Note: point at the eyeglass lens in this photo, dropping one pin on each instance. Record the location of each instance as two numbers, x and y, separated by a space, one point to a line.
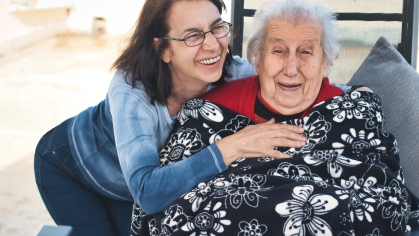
196 38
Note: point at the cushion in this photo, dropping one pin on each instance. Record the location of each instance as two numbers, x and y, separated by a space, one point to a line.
388 74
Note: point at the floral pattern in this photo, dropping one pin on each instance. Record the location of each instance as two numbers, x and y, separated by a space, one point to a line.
296 172
252 228
174 219
152 225
210 221
304 212
199 194
235 124
346 180
334 159
359 204
393 198
360 140
315 130
137 214
241 189
349 106
184 143
207 110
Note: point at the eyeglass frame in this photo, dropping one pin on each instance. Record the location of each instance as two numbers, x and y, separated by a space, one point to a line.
202 33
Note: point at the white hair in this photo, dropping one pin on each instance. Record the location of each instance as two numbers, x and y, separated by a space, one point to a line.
296 12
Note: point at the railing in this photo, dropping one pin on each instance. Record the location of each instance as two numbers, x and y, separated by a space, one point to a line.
409 31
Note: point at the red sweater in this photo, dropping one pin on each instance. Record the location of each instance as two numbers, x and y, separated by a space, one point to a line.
240 95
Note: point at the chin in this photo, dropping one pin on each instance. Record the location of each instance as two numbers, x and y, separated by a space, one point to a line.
214 78
291 108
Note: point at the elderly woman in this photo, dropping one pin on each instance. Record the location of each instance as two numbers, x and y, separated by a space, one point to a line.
346 180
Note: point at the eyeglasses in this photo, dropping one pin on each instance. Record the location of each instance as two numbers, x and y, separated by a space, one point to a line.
196 38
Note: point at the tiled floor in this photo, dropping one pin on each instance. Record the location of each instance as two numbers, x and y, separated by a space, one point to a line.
40 87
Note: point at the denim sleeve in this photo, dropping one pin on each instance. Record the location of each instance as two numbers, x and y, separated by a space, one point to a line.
240 68
344 87
139 127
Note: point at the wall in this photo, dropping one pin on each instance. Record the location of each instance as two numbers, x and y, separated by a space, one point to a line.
120 15
26 22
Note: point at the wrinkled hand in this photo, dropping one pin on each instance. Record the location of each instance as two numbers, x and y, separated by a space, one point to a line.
366 89
260 140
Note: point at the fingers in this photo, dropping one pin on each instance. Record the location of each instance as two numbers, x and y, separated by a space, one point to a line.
274 131
283 134
271 121
271 135
286 142
278 155
366 89
260 141
283 128
265 152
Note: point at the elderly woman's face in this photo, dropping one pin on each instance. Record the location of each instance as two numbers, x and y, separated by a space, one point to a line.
291 66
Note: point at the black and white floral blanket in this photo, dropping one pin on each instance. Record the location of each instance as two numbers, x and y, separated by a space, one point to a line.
346 181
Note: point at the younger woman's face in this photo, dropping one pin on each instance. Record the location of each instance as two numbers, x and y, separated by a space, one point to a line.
198 65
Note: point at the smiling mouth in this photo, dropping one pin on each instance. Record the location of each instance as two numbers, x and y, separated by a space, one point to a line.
290 85
210 61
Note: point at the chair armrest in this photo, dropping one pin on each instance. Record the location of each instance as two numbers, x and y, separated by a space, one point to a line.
60 230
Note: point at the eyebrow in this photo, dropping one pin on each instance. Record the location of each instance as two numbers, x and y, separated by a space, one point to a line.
275 40
197 30
279 40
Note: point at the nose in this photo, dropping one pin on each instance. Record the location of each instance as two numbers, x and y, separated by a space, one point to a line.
210 42
291 65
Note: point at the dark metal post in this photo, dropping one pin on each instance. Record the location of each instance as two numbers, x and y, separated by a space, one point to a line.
415 39
237 7
407 30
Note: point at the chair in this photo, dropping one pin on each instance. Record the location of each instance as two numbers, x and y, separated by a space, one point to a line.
56 230
361 24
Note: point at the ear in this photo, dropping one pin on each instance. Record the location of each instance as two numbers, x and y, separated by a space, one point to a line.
166 53
326 71
257 66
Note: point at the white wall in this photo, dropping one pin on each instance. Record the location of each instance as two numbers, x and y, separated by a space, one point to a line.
120 15
26 24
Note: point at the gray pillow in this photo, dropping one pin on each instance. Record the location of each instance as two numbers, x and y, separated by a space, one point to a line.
388 74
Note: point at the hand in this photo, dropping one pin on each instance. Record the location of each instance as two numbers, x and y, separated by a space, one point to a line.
260 141
366 89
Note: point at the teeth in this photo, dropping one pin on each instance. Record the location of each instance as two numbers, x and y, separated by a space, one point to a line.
209 61
290 86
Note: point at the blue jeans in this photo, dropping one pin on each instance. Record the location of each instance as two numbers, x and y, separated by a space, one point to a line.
69 198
